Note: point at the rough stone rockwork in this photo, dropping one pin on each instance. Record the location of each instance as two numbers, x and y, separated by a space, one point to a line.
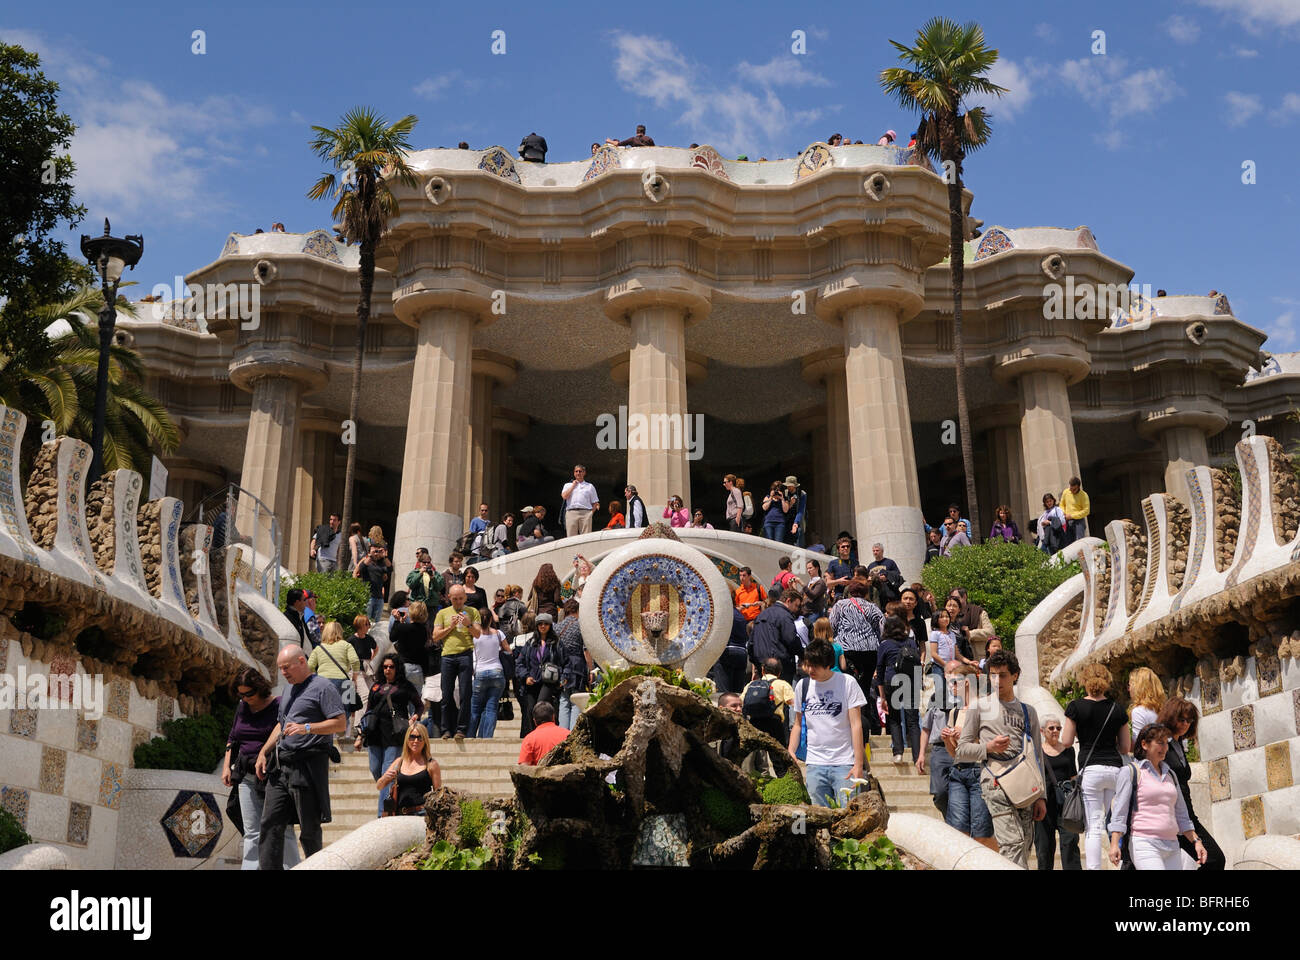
149 525
259 639
1227 519
1103 589
99 521
1179 531
41 498
1059 637
186 539
1136 542
1286 493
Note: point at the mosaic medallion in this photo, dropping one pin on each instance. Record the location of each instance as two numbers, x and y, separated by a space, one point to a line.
813 160
655 609
499 163
1243 728
192 824
993 242
321 244
706 158
1220 780
604 160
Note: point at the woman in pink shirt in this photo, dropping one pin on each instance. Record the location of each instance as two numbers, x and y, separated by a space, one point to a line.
676 513
1153 812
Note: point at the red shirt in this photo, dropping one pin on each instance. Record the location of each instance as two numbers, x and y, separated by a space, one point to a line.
615 522
539 743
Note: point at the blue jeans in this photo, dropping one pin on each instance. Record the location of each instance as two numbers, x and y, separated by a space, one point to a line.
569 713
381 758
457 667
488 688
967 811
374 608
827 781
774 530
250 808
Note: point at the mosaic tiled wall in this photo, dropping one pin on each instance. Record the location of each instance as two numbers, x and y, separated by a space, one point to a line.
61 774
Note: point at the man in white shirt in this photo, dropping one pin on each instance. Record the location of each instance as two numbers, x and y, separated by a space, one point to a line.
829 703
580 499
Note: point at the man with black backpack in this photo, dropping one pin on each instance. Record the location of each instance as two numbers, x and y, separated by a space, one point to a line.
775 637
766 699
898 678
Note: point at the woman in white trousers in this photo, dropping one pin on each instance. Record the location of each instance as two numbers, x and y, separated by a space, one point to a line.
1155 813
1101 727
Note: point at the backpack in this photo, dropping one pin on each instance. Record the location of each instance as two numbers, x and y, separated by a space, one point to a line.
510 625
748 510
906 660
760 701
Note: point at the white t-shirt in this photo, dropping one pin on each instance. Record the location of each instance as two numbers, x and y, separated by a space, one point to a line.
1139 718
487 652
830 738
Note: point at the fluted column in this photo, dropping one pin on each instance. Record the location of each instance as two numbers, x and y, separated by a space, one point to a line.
1046 433
313 489
831 455
433 465
482 464
1181 430
271 453
507 426
1004 472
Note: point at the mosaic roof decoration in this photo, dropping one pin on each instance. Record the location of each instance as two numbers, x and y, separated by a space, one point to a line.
706 158
1086 240
1141 310
321 244
813 160
604 160
499 163
192 824
913 157
1221 306
232 245
993 242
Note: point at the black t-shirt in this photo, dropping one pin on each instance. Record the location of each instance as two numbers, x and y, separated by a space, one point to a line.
376 574
410 640
364 646
1091 725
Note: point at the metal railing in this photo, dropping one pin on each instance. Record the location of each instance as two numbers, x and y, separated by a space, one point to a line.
239 518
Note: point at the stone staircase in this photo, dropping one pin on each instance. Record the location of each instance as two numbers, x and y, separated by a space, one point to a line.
474 766
906 791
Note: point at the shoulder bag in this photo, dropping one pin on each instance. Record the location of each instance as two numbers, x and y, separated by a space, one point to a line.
1020 779
351 702
1072 816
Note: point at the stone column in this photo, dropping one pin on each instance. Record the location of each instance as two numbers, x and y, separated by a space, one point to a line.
507 426
837 513
482 467
437 427
1135 477
1185 448
886 495
313 488
1046 433
657 414
1181 434
1005 472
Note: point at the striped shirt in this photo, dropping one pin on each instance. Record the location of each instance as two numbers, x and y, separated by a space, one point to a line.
857 624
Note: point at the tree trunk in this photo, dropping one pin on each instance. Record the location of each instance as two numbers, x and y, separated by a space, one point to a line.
366 275
957 269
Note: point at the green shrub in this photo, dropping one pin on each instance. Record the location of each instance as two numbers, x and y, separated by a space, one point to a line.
444 856
1066 695
784 789
724 812
474 823
12 835
1006 579
190 743
341 596
880 854
611 677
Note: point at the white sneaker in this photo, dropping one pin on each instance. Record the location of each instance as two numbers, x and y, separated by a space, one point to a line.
898 758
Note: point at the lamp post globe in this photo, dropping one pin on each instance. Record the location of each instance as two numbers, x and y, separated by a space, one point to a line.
109 255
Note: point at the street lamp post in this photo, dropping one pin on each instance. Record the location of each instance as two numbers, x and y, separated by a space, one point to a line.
108 255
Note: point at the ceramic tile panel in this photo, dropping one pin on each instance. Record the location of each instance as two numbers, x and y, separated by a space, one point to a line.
79 817
16 801
192 824
110 786
82 779
20 761
47 817
87 734
62 672
119 699
1252 817
54 764
22 723
1220 780
1243 727
1211 696
4 655
1268 674
1277 762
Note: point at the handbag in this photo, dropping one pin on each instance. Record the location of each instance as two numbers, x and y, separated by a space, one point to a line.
400 724
1021 780
351 701
550 674
505 709
390 801
1072 816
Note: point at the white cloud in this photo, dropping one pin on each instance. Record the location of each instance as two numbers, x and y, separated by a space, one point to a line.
1245 52
1282 332
434 87
1258 15
1241 107
1182 29
1019 83
746 115
1045 32
1104 82
1288 110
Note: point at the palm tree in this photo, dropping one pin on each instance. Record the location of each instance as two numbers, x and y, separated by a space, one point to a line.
61 387
947 65
368 152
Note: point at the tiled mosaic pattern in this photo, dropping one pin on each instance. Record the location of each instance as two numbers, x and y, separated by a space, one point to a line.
231 247
119 699
1211 696
1243 728
1221 305
993 241
662 842
79 824
1277 763
87 734
110 786
13 516
22 723
706 158
54 763
1199 533
500 164
1268 674
15 800
1220 780
192 824
813 160
605 160
656 582
1250 487
1252 817
321 244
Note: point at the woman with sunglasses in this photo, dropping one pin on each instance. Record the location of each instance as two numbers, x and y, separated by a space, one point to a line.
1180 717
256 716
415 772
398 705
1149 807
1060 765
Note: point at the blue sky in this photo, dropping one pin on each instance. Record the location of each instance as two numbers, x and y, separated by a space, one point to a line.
1145 144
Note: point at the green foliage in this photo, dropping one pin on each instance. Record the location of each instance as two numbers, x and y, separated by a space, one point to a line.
1066 695
12 835
517 831
1006 579
474 822
341 595
444 856
550 854
880 854
190 743
611 677
723 811
784 789
1193 752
